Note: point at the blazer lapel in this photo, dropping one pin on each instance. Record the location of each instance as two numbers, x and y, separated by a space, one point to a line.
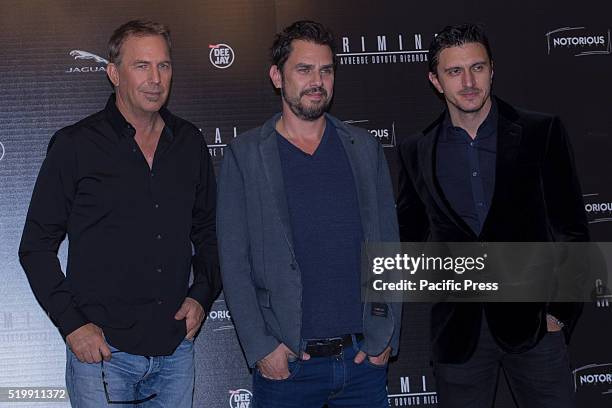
361 183
270 159
509 134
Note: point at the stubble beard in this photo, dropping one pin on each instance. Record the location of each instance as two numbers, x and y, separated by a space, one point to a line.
308 113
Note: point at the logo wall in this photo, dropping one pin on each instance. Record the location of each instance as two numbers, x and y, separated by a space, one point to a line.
594 378
221 55
381 49
220 319
85 57
598 210
240 398
383 132
217 138
579 41
602 294
414 391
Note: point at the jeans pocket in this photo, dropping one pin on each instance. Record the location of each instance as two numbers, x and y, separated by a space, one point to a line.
293 366
376 366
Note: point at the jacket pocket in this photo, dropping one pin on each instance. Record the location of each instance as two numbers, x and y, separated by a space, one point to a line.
263 297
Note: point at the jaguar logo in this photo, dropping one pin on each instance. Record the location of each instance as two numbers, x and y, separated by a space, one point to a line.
78 54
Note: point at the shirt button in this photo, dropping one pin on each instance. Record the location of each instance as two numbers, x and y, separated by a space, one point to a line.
158 236
156 205
158 270
159 301
471 143
134 149
474 174
480 204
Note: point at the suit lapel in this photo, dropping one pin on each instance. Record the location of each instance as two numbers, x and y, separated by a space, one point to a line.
509 134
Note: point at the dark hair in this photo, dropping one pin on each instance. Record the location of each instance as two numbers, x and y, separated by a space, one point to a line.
300 30
138 28
455 36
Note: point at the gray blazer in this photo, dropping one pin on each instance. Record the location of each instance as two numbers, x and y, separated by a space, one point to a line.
261 277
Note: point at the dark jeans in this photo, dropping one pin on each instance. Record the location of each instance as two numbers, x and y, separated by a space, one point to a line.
540 377
335 381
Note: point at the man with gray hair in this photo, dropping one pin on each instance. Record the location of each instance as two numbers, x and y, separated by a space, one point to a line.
133 188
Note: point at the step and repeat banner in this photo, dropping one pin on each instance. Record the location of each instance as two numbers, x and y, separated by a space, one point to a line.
551 56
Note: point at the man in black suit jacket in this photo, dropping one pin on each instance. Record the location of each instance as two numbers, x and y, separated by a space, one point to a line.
485 171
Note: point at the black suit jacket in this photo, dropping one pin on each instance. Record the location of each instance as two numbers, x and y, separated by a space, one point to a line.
537 198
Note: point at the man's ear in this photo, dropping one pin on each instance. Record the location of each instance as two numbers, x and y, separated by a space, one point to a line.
113 73
276 76
433 78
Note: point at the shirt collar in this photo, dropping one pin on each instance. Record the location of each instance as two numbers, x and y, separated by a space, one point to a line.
486 128
124 129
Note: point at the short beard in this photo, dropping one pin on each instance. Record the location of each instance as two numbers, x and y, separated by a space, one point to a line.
312 113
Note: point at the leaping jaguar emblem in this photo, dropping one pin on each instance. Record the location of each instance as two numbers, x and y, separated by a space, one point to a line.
78 54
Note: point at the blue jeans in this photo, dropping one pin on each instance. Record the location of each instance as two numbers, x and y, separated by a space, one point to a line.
131 377
335 381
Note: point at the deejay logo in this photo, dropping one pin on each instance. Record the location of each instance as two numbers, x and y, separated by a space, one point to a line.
240 398
87 56
221 55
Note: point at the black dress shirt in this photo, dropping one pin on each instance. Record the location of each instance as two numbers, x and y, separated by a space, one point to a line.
465 168
134 232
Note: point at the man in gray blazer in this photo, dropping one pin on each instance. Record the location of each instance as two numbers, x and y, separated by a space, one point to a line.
298 196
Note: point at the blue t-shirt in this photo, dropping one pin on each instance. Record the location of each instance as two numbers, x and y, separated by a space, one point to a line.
327 235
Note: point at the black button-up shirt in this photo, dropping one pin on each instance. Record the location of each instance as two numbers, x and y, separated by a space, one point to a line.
134 232
465 168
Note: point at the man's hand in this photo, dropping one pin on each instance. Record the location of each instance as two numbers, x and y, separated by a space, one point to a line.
193 313
551 324
379 360
275 365
88 344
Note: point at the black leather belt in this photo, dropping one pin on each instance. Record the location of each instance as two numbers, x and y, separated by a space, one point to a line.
330 347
